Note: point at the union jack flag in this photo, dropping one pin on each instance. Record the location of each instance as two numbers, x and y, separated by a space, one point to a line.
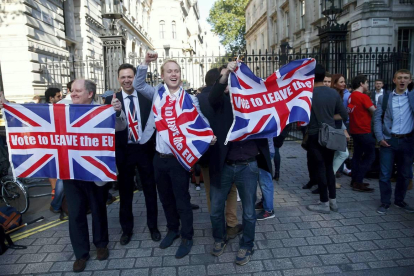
181 127
61 141
262 108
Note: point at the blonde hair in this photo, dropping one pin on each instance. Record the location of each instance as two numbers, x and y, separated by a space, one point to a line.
166 61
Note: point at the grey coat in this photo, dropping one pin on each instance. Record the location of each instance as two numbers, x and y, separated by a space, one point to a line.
382 130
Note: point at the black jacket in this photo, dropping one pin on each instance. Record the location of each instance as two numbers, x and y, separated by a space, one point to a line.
219 112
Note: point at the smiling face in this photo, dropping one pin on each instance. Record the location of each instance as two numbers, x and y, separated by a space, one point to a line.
341 85
125 79
79 93
401 80
172 76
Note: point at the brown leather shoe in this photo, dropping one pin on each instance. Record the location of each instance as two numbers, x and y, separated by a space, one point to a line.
102 253
232 232
80 265
360 187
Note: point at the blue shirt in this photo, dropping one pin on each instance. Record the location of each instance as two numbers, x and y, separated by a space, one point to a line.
403 118
345 99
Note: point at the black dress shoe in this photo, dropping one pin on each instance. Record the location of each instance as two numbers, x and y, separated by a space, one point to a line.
316 191
125 238
194 206
155 234
307 185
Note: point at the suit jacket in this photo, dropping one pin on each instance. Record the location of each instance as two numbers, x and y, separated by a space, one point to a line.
383 129
372 96
221 122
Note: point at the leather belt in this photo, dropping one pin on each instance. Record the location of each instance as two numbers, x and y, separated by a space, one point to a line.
402 135
163 155
240 162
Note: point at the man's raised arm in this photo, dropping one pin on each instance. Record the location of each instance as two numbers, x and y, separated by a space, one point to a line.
139 81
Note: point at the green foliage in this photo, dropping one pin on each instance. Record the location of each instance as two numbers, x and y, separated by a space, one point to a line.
227 17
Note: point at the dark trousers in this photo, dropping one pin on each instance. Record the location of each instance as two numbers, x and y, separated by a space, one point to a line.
173 182
80 195
363 157
140 157
401 151
321 159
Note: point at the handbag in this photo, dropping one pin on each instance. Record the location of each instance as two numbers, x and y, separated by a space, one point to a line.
330 137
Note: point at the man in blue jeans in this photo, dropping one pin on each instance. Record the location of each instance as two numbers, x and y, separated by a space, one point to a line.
394 127
238 163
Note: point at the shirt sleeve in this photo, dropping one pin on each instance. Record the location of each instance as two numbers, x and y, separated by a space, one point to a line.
366 102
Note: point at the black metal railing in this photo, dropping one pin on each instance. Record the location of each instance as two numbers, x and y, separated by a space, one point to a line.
374 63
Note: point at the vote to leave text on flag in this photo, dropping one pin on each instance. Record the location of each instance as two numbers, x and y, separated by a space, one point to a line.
61 141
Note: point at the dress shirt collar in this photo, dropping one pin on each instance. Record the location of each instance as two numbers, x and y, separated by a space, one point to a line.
396 94
125 95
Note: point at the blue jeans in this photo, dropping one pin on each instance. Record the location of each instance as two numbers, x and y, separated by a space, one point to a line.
401 152
245 177
266 185
364 155
59 194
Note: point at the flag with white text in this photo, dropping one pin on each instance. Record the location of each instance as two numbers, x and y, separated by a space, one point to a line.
61 141
262 108
181 126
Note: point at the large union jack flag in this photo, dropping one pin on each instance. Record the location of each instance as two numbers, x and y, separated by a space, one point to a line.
61 141
262 108
181 126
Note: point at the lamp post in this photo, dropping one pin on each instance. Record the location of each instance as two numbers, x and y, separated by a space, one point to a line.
333 37
113 42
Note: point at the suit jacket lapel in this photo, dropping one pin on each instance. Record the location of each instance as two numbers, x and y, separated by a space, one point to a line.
121 99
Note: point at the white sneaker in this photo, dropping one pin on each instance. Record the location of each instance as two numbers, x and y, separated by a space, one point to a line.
197 188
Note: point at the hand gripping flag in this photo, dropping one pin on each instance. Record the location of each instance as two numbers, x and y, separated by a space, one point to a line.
181 127
61 141
262 108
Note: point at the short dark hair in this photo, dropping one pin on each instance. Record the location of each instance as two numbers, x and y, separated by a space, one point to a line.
319 73
402 71
211 76
69 86
379 80
127 66
356 82
328 75
51 92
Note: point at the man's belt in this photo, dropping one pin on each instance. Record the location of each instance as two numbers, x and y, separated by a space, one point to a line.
240 162
402 135
163 155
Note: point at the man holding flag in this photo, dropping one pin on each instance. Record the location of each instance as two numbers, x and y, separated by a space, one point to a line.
181 139
261 109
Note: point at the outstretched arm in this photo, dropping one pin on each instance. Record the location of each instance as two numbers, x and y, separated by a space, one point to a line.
139 81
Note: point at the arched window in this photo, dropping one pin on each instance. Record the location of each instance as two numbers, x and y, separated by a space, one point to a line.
162 29
174 32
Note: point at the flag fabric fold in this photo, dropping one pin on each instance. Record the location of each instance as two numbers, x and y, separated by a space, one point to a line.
181 126
61 141
262 108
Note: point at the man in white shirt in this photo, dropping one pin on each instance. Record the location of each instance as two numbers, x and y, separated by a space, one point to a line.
379 91
171 177
135 149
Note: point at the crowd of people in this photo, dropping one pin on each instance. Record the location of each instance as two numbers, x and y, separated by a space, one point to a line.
233 170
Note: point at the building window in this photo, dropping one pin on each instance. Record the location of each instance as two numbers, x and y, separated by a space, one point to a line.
302 14
162 29
287 23
248 20
174 31
261 5
405 39
263 43
254 11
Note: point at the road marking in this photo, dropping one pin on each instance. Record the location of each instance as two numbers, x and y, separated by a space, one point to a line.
43 227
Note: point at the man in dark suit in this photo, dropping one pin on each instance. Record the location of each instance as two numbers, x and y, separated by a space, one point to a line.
379 91
135 148
394 130
236 162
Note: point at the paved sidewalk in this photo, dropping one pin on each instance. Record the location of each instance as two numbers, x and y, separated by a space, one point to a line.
355 241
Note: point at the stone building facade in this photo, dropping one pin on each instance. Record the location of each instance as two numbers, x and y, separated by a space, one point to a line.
372 23
47 43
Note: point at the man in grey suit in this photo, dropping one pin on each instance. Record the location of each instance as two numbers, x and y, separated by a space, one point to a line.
394 129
